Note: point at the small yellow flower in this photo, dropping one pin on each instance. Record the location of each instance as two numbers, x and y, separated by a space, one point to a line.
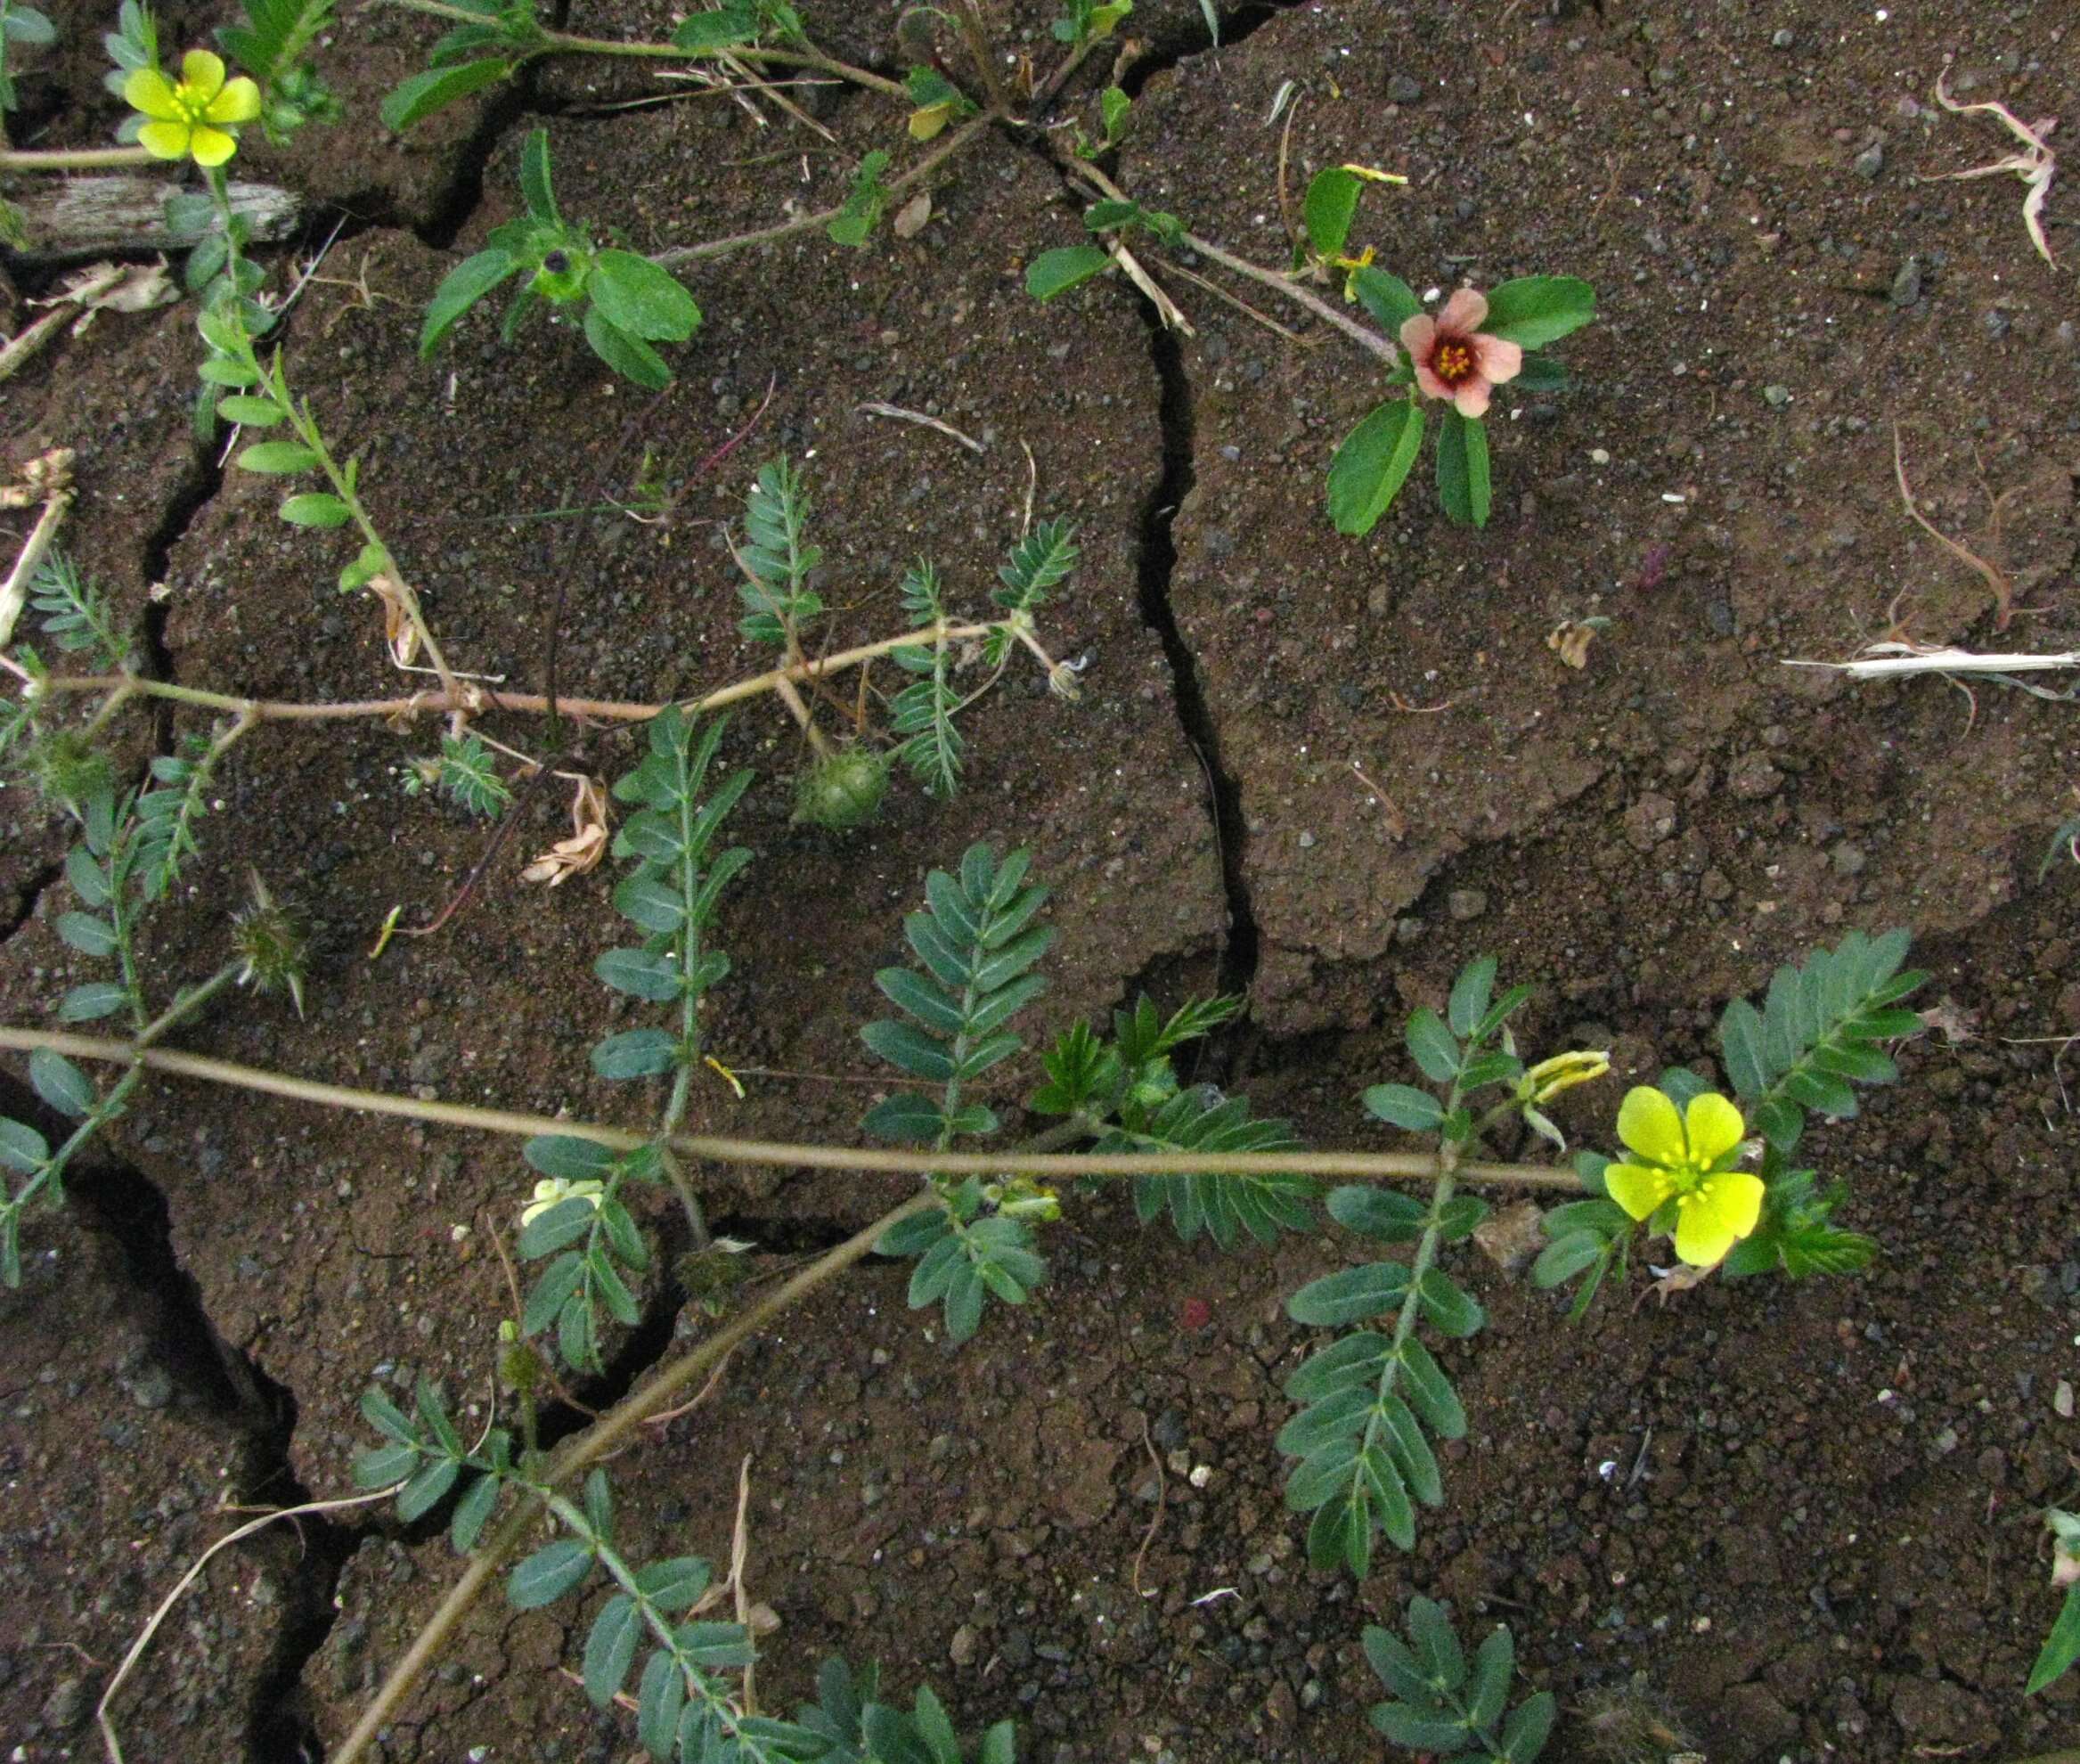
1683 1159
552 1191
192 120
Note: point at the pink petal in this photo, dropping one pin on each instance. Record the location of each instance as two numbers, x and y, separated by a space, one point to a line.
1464 311
1471 400
1496 359
1430 384
1417 334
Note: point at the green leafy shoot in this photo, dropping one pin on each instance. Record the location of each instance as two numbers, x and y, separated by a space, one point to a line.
1795 1232
861 1729
776 558
1124 218
1369 1399
274 45
1586 1239
466 773
976 944
1038 564
1450 1707
864 204
624 303
688 1706
166 814
579 1226
1128 1094
76 614
2061 1646
1084 22
935 101
1820 1030
923 712
134 43
2065 844
25 26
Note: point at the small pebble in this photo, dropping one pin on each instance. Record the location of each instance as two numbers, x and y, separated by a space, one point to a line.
1783 39
1403 90
1871 161
1465 903
1906 284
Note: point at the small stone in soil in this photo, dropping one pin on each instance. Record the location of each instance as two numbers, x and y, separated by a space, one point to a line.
1403 90
1906 284
1871 161
1466 904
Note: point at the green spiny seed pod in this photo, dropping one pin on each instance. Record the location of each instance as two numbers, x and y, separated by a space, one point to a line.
69 770
273 944
842 790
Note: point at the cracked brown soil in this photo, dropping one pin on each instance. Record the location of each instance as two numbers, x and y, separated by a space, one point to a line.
1807 1515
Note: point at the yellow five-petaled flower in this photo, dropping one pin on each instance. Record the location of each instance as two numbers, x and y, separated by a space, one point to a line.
192 120
1684 1161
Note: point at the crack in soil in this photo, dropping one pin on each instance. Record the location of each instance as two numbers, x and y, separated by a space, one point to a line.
228 1388
32 895
1169 47
1156 564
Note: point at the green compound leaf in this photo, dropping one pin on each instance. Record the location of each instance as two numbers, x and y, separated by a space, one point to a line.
1328 208
1820 1030
1435 1707
1370 468
551 1571
1221 1205
1536 310
1056 272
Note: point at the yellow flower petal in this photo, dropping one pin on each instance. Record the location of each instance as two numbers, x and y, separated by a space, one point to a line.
202 74
165 139
1724 1211
1715 1127
212 146
149 91
238 103
1638 1190
1648 1124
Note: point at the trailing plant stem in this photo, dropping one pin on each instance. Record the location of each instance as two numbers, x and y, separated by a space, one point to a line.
583 1449
717 248
72 159
474 699
1376 1166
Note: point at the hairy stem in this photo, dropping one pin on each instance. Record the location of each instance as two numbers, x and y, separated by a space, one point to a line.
1388 1166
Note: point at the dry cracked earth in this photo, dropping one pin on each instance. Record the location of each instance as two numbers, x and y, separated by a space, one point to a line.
1321 772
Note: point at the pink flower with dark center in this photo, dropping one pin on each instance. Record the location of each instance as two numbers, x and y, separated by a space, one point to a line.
1455 359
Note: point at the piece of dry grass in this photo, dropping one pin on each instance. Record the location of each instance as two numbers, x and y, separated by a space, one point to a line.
2036 164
